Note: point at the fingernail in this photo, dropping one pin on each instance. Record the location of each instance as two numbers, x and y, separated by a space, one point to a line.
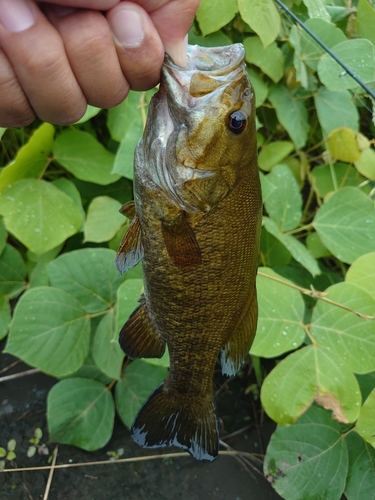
178 52
127 28
16 15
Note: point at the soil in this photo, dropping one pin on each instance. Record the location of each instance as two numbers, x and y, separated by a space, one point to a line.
22 410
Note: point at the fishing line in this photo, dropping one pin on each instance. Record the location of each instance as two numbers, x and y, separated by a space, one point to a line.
327 49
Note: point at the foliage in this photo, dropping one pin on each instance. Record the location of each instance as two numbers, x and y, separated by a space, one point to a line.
60 192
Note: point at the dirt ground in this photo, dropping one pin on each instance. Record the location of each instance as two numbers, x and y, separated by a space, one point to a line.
22 410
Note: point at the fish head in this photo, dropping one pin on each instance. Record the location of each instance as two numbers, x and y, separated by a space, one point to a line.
201 128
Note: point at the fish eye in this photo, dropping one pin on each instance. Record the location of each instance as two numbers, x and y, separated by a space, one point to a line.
237 122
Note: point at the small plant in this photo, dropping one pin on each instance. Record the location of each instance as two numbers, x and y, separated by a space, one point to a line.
7 454
36 446
115 455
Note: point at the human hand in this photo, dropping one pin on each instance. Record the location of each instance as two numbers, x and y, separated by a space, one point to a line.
57 57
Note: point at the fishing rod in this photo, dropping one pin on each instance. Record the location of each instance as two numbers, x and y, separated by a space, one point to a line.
348 70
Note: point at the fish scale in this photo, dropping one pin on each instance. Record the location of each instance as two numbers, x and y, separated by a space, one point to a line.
195 226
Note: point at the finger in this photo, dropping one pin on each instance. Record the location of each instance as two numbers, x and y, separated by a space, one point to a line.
139 47
15 110
87 4
92 55
172 19
36 52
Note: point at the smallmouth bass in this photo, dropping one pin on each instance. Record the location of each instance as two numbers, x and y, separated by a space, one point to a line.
196 223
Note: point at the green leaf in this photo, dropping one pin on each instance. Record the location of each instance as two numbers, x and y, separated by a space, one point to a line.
140 380
39 214
365 21
358 55
308 460
269 60
296 248
311 51
5 316
124 159
343 145
302 74
362 273
291 113
336 109
2 130
32 159
259 86
317 9
280 318
89 274
91 371
274 153
69 188
214 14
312 372
12 273
285 205
344 333
3 236
217 39
83 156
127 300
315 246
272 251
346 224
322 181
106 351
80 412
50 331
103 219
365 426
361 474
91 111
262 17
366 164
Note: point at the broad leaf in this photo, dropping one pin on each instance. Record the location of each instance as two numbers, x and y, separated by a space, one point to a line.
106 350
317 9
214 14
269 60
272 251
365 21
285 204
50 331
321 178
361 474
80 412
308 460
365 426
83 156
259 86
89 275
335 109
366 164
362 273
358 55
296 248
32 159
139 381
128 296
343 145
103 219
291 113
310 373
262 17
346 224
12 273
315 246
39 214
5 317
311 51
344 333
273 154
280 320
91 111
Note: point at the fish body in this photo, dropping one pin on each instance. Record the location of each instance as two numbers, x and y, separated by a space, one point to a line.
196 227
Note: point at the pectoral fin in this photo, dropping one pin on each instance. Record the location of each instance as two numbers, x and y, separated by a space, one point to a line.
138 337
130 251
181 243
237 348
128 210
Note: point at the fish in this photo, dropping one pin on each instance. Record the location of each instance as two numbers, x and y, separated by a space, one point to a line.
195 225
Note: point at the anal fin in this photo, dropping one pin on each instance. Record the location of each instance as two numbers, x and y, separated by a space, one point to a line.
168 418
130 251
181 242
138 337
237 348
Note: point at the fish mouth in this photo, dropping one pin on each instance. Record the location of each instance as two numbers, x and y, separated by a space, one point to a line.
213 61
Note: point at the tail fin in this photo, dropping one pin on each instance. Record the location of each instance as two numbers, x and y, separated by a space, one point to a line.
167 418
